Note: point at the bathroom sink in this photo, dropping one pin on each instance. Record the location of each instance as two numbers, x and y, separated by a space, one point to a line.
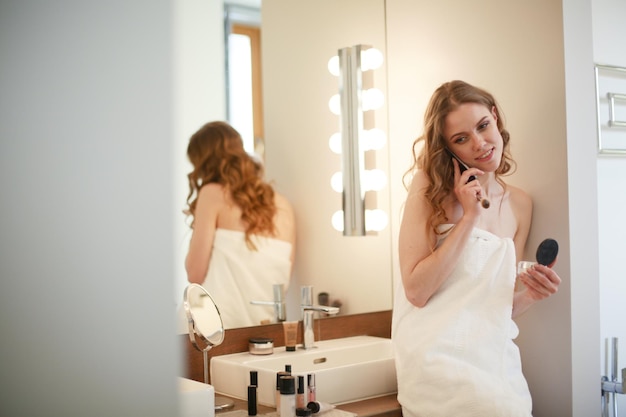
346 370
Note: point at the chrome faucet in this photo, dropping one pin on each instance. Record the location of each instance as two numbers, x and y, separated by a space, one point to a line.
308 312
280 308
611 386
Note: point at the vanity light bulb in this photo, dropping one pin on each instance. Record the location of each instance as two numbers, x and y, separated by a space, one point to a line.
337 221
373 139
373 99
336 182
374 180
334 104
375 220
371 59
334 143
333 66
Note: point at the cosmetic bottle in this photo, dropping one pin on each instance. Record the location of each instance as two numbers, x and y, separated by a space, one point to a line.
278 384
287 396
319 407
311 385
300 400
290 329
252 397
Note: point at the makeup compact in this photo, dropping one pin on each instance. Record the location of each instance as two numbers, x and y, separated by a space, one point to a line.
261 346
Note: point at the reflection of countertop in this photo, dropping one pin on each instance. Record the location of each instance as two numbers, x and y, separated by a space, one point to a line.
386 406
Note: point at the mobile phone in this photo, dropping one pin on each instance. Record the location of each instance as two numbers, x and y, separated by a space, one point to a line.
462 165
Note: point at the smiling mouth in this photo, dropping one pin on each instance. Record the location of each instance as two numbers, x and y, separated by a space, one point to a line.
486 155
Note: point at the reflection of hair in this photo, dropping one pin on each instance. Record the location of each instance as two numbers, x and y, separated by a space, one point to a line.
217 155
434 159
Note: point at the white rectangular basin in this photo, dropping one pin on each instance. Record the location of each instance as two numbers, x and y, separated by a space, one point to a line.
347 369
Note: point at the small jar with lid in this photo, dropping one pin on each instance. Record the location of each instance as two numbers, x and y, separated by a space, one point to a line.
303 412
261 346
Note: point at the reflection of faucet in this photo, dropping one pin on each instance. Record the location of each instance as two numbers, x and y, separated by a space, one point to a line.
278 303
308 311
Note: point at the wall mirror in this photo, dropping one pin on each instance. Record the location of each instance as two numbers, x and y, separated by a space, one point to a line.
296 126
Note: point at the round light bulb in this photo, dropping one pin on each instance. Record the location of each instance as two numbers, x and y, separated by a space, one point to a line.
371 59
333 66
336 182
334 143
334 104
376 138
375 220
337 221
373 99
374 180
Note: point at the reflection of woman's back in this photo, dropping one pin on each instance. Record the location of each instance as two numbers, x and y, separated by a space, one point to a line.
243 231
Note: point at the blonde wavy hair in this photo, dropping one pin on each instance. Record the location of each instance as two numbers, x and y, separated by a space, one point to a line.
217 154
434 158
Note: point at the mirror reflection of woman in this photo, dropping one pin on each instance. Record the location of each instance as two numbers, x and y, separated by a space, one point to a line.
453 325
243 231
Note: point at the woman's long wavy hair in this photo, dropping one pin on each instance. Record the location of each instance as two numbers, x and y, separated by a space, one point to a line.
435 160
217 154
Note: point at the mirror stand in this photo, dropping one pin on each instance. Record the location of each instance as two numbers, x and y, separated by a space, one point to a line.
206 330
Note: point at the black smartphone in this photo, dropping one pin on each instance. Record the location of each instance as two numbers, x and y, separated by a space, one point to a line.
462 166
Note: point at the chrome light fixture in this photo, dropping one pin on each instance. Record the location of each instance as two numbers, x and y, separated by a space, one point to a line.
354 104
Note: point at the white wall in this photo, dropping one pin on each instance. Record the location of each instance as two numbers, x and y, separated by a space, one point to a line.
86 261
609 49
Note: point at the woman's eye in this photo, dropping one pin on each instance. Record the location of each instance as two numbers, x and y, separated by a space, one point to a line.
483 125
460 139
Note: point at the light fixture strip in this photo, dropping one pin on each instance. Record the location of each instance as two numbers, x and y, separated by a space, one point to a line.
353 165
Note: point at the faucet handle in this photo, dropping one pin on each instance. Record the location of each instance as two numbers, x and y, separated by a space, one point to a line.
278 291
306 295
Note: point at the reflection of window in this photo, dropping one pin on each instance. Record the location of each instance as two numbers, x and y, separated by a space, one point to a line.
245 104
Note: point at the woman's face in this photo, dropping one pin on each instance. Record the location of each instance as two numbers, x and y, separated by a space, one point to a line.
472 134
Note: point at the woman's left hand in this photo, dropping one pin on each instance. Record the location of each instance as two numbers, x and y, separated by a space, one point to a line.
540 281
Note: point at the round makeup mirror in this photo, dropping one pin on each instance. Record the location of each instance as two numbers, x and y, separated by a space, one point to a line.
205 322
206 329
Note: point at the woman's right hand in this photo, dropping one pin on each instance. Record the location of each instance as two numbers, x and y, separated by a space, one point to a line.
467 193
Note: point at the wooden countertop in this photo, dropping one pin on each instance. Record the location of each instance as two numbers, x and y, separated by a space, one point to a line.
385 406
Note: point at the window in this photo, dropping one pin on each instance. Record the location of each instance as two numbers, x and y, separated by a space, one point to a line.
243 68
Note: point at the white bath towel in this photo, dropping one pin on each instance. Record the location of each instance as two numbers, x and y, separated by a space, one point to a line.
456 355
238 275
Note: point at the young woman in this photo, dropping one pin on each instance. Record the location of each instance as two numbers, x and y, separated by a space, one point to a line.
243 231
452 322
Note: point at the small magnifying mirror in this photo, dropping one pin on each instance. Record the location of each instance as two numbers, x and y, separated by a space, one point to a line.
206 329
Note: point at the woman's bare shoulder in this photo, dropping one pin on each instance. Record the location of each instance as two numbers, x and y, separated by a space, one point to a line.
519 198
213 194
282 202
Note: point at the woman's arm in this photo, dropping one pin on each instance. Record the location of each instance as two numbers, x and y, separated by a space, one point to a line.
424 270
210 201
539 282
